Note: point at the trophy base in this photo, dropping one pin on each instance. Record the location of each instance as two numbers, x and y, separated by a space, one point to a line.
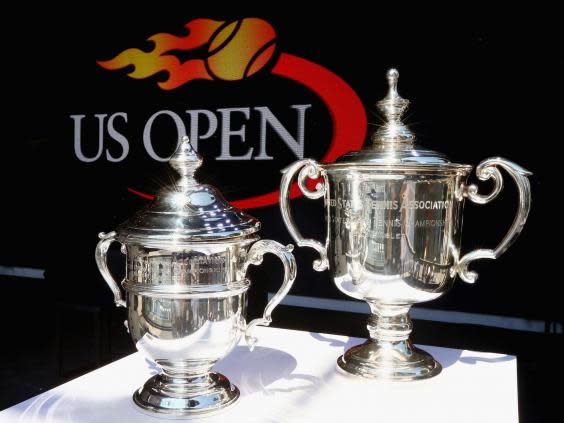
397 361
180 397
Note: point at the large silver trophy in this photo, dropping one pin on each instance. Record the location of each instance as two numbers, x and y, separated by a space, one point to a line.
187 257
394 220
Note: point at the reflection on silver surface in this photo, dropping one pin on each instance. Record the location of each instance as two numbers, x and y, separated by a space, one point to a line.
187 257
394 221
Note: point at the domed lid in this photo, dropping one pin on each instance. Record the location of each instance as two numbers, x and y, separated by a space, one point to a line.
186 211
393 144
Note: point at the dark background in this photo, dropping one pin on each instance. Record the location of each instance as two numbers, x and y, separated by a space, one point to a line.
481 84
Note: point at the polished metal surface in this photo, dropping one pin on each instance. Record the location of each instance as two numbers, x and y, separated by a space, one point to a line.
393 144
186 289
186 210
488 170
394 222
393 106
161 389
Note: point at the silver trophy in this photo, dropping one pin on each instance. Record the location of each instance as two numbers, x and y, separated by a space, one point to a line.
394 220
187 257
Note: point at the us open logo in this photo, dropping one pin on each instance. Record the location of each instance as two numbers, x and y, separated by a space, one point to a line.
233 52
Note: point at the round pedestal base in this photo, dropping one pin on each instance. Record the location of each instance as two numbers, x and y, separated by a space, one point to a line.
180 397
398 361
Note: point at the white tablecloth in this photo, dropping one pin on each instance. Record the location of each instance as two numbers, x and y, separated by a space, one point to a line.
291 377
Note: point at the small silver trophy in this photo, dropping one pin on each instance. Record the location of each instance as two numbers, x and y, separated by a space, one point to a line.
394 220
187 257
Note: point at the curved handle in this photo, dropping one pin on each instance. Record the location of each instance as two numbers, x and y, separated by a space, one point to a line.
101 256
308 168
488 169
255 256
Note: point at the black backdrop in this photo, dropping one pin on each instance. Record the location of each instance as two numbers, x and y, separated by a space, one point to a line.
480 85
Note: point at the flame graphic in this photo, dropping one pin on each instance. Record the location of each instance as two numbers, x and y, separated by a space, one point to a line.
234 51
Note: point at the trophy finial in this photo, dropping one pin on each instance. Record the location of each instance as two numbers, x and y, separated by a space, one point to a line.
393 76
185 160
393 106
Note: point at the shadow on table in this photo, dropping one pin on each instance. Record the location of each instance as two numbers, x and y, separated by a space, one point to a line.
83 406
153 367
474 360
38 408
255 371
252 372
334 342
79 408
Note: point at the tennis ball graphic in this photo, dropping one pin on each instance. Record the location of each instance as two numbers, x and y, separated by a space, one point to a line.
240 49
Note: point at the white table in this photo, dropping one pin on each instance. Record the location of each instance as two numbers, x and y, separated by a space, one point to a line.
291 377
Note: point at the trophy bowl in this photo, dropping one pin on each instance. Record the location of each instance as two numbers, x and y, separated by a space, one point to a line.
186 286
186 337
394 221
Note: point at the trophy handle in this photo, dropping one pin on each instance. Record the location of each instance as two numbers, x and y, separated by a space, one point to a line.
488 169
255 256
307 168
101 261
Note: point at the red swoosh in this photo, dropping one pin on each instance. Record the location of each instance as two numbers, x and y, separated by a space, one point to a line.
346 109
141 194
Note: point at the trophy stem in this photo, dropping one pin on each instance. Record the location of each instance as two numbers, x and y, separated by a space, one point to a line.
389 323
389 354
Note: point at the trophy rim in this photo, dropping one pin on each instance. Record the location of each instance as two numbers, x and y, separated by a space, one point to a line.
402 168
181 292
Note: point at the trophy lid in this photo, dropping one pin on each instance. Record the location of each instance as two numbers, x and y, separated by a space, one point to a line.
186 211
394 143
